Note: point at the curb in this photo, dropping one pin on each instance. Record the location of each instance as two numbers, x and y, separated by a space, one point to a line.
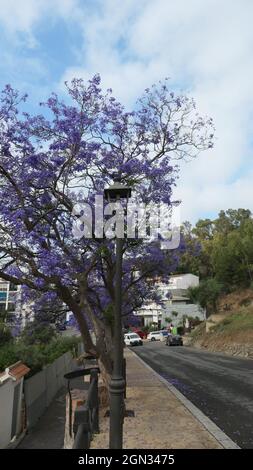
211 427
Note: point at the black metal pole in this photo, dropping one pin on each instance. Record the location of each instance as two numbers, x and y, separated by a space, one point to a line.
117 385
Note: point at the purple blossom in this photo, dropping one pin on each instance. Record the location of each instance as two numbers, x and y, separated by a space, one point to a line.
49 164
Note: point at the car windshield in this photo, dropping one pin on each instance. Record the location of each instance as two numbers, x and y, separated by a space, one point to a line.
134 336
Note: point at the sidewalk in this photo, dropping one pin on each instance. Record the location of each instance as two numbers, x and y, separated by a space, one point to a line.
160 420
49 430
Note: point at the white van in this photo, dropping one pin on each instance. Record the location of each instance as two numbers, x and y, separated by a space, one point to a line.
132 339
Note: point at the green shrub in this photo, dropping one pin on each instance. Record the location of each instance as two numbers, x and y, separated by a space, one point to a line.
8 356
36 356
37 333
245 302
5 334
180 330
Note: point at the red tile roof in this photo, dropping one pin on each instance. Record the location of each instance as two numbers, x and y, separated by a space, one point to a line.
18 370
15 371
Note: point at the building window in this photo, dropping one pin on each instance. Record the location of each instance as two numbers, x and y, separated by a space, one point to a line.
3 296
13 287
11 307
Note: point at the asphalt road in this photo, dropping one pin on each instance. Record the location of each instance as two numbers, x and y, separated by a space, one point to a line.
219 385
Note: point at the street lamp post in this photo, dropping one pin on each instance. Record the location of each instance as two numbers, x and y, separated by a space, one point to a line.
116 192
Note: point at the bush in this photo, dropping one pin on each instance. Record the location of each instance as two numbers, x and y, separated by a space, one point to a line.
206 294
37 333
5 334
180 330
37 356
8 356
148 328
245 302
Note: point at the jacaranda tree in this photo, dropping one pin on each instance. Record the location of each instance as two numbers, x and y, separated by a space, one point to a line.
67 155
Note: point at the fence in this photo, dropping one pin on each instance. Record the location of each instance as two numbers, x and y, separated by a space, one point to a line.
40 389
86 420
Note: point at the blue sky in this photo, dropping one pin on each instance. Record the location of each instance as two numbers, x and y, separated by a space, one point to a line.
204 47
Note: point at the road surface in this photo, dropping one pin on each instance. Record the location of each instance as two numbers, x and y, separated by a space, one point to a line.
219 385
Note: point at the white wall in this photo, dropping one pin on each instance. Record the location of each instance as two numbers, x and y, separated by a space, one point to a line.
183 281
6 406
191 310
41 388
177 282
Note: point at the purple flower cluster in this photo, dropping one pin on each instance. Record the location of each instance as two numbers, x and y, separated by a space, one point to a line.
47 165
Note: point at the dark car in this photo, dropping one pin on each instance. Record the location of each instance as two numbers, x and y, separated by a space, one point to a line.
174 340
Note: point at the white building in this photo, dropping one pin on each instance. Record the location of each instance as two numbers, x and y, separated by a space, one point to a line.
10 301
175 303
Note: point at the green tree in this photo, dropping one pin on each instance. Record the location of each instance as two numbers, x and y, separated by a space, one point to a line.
231 219
206 294
232 254
37 333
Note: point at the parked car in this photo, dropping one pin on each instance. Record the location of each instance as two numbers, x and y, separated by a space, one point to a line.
174 340
141 333
132 339
163 335
154 336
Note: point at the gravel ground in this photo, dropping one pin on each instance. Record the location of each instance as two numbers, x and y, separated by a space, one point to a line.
160 421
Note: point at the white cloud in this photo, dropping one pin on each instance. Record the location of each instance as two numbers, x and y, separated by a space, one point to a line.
22 16
205 46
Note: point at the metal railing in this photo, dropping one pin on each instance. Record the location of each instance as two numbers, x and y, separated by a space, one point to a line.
86 417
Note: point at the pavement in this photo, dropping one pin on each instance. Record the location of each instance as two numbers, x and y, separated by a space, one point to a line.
161 420
49 431
219 385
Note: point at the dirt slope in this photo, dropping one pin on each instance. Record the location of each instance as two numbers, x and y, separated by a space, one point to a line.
234 333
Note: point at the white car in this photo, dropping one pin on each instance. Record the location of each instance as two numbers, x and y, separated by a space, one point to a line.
154 336
132 339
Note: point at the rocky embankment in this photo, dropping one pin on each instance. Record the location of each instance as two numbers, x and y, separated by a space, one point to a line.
231 330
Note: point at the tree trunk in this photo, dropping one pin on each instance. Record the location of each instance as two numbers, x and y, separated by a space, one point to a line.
102 350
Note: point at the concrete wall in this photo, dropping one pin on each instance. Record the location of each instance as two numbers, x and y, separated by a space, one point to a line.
43 386
191 310
183 281
6 407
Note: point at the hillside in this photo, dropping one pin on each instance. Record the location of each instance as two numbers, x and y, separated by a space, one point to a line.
231 330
